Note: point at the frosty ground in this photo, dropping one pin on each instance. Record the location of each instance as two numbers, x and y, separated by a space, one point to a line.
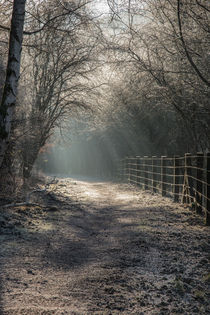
94 247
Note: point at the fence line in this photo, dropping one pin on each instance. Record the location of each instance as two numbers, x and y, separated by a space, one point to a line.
186 179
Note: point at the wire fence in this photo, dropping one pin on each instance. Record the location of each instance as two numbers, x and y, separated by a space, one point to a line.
185 179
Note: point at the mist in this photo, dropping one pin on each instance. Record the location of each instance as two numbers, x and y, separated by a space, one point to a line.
104 157
82 157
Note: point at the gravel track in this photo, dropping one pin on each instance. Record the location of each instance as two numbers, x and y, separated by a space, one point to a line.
103 248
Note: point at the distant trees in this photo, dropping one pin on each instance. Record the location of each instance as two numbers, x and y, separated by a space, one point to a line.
58 58
160 47
154 78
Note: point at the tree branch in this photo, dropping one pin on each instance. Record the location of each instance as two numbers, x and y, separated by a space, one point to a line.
69 11
185 47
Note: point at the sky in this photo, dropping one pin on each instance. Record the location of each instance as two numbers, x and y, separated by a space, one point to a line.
101 6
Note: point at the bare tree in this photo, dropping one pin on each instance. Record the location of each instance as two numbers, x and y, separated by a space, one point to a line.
12 74
59 63
167 43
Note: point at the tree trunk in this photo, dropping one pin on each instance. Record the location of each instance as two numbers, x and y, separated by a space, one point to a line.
29 163
12 75
30 152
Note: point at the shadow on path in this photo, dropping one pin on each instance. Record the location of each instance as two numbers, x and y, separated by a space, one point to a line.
97 235
100 253
1 281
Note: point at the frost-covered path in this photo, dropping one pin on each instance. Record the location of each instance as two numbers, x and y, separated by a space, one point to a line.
103 248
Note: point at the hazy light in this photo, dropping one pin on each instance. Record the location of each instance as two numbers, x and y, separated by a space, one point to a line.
100 6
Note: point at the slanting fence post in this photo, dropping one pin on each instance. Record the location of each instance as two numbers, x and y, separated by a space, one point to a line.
199 179
145 172
176 178
163 175
154 174
207 188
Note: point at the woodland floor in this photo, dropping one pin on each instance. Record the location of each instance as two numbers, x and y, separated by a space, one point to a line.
102 248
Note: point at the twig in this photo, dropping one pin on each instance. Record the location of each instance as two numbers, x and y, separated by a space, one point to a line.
19 204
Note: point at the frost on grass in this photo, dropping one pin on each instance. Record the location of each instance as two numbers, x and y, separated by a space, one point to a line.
107 249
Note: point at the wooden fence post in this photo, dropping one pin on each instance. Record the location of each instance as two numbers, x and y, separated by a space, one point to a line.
154 175
187 185
138 170
125 169
208 188
128 170
121 169
163 175
136 177
176 178
134 171
116 170
199 185
189 174
145 172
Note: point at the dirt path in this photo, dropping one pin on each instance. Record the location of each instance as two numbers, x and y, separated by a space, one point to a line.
103 248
